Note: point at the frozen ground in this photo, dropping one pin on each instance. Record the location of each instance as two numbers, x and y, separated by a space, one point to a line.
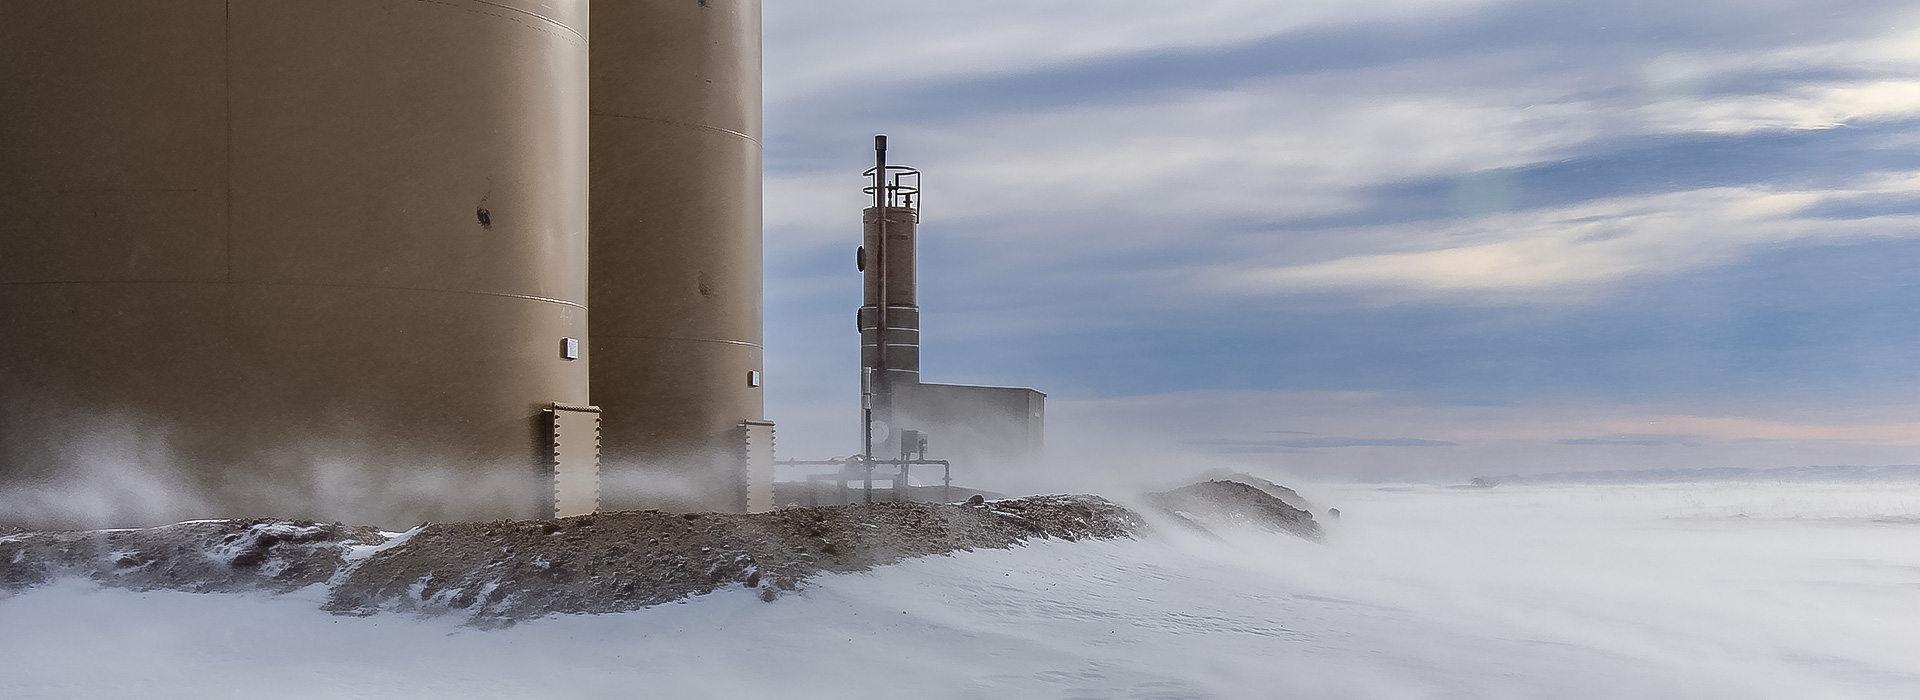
1605 591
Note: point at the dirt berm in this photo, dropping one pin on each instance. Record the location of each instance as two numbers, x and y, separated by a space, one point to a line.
608 562
498 573
1210 505
202 556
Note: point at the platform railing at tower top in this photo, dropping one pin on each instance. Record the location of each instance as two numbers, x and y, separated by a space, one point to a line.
902 188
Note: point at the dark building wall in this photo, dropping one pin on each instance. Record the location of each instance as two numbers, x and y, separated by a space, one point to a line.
986 431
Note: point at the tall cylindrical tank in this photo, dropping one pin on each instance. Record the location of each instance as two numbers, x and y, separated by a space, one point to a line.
896 267
287 258
675 276
888 271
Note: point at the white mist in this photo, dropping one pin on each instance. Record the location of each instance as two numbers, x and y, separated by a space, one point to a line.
1567 592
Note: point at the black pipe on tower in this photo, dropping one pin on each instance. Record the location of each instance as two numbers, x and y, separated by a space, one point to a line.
889 318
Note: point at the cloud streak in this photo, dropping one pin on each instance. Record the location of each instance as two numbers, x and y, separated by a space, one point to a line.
1316 443
1633 440
1533 255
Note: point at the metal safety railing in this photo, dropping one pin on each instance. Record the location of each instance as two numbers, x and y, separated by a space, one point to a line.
902 185
856 468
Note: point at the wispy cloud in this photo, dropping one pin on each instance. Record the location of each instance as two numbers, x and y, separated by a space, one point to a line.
1461 441
830 45
1147 173
1826 106
1899 433
1634 440
1561 254
1316 443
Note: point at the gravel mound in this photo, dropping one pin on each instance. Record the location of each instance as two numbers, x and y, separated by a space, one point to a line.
1213 504
499 573
207 556
1286 495
505 571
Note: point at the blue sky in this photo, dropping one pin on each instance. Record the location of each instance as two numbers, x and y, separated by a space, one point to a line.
1415 237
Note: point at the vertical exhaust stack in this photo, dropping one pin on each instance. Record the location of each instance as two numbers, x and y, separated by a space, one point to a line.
889 318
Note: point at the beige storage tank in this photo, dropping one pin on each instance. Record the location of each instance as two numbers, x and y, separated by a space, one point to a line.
290 258
675 278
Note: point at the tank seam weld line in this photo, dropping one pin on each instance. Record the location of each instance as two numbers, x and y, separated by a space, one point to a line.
509 8
708 127
510 295
597 335
226 38
114 190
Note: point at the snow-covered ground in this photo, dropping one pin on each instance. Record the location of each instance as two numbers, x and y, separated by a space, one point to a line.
1746 590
